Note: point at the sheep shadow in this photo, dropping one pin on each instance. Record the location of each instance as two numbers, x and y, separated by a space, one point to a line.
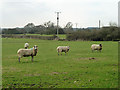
28 62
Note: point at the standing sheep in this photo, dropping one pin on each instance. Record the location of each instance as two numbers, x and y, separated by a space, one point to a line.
61 49
96 47
26 45
27 52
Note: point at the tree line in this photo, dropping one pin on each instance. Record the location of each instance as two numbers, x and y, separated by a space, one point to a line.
111 33
103 34
47 28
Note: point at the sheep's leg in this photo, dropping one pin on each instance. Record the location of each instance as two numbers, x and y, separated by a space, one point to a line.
19 59
65 53
98 50
61 53
32 58
58 53
92 51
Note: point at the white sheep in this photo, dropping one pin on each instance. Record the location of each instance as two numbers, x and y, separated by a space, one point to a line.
97 47
61 49
26 45
27 52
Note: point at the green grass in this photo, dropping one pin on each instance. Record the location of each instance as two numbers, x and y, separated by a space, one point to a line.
49 70
62 36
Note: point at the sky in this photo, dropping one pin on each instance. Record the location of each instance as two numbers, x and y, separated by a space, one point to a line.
86 13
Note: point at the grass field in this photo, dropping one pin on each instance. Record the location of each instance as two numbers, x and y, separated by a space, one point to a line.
62 36
49 70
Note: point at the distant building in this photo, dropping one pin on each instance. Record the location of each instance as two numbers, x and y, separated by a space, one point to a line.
92 28
119 14
88 28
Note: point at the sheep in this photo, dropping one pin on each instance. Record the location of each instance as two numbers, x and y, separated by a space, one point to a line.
26 45
97 47
27 52
61 49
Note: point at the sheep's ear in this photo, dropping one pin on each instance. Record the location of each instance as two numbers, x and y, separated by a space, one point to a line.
34 46
100 44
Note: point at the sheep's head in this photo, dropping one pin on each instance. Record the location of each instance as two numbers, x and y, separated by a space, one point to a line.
100 46
35 49
26 45
68 47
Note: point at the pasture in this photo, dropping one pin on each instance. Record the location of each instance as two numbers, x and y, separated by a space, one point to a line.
61 36
48 70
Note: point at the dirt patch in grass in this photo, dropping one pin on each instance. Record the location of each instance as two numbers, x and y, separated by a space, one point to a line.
9 77
29 75
10 69
24 84
56 73
112 64
87 58
13 69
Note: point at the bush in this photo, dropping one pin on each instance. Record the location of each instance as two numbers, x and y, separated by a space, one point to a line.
30 36
103 34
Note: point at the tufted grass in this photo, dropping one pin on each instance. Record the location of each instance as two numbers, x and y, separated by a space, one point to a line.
49 70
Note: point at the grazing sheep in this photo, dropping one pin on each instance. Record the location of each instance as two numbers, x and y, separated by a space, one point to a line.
61 49
97 47
26 45
27 52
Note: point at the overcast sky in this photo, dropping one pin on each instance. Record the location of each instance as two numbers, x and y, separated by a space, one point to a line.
87 13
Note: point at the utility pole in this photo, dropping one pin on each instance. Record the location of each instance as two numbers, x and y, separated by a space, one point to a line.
119 14
57 22
76 25
99 24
